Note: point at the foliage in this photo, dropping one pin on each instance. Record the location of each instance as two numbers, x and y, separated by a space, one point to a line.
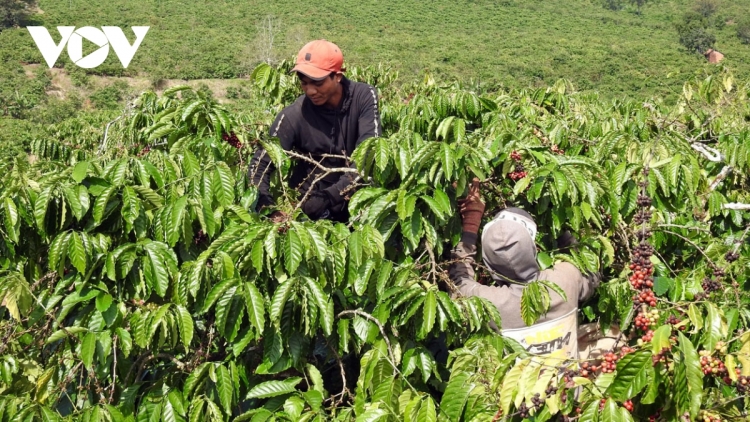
19 94
240 92
743 31
613 4
111 96
694 33
707 8
639 5
56 110
15 12
532 43
79 77
139 284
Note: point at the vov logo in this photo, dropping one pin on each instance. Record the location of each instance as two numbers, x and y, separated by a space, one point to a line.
104 38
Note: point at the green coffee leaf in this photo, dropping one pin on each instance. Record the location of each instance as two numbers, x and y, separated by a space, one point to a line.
88 348
455 396
273 388
634 371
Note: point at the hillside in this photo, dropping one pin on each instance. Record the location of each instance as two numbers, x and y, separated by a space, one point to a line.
512 42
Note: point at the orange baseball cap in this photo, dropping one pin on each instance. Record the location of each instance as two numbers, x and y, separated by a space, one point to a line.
317 59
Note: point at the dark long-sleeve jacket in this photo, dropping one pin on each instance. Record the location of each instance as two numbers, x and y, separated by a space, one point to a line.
509 251
314 130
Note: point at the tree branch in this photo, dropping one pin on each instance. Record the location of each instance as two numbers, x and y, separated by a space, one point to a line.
114 370
721 176
700 229
321 166
106 132
736 206
695 245
376 322
326 171
150 357
711 154
344 389
433 264
742 239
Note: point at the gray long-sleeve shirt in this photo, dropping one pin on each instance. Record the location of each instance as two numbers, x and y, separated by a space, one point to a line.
509 250
507 298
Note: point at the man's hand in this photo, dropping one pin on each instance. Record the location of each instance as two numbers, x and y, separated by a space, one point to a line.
472 208
264 201
278 216
566 240
316 204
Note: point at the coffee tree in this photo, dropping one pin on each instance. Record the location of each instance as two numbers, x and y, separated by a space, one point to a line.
138 282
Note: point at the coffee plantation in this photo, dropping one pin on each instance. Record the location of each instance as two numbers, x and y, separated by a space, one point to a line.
138 282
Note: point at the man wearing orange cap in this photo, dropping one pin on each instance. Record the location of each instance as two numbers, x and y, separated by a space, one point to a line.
332 117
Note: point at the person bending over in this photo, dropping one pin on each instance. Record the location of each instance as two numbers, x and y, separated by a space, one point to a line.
509 251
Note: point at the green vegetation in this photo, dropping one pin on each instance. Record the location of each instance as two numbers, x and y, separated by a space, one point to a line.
743 31
137 282
694 33
697 26
110 97
15 13
512 42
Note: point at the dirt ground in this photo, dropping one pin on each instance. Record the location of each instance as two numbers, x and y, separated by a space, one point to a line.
62 83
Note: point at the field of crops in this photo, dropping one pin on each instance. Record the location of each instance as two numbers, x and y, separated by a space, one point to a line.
139 284
516 43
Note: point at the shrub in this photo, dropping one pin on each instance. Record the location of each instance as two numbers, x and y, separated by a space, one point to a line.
56 110
205 90
18 93
138 282
613 4
14 12
743 31
240 92
110 96
79 77
698 40
706 8
694 34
